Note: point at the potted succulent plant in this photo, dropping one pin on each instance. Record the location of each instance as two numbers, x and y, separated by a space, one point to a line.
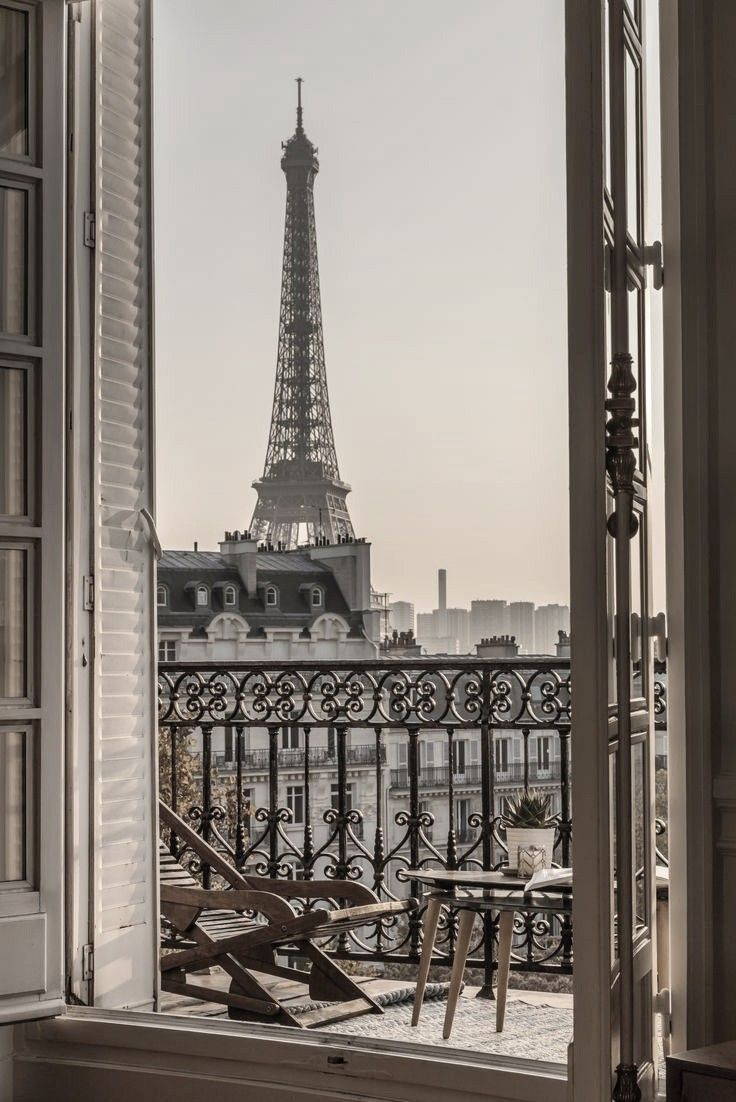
529 822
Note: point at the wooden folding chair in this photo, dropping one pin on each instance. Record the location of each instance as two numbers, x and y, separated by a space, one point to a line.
210 929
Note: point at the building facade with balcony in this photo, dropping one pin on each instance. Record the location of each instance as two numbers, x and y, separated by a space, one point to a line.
249 602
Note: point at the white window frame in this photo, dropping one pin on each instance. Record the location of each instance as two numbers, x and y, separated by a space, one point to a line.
335 795
164 648
317 596
162 591
202 596
502 750
291 737
230 596
544 753
31 918
272 596
295 797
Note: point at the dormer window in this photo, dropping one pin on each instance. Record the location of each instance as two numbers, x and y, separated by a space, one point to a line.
203 596
230 596
162 596
318 597
272 596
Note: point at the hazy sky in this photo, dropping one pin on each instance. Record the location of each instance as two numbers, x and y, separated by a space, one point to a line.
440 208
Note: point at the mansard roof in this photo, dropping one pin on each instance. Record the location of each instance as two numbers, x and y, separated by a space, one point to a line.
292 573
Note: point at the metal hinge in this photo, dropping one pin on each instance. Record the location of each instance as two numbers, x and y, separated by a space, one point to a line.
663 1007
89 234
651 257
89 593
88 962
658 632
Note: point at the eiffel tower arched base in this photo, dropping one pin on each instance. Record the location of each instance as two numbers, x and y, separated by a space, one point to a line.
294 513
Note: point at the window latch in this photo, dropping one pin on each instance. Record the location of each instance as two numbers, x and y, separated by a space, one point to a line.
651 257
88 599
88 962
89 229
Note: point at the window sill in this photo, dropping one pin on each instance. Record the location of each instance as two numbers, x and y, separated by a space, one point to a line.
75 1050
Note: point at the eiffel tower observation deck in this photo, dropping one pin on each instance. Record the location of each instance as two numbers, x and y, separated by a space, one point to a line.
301 497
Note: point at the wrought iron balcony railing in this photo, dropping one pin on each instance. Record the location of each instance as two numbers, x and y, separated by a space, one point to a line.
398 700
245 807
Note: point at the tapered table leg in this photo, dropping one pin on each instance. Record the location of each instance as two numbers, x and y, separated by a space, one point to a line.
465 929
431 918
505 935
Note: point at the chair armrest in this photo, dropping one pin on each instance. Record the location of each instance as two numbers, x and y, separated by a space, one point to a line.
315 889
275 908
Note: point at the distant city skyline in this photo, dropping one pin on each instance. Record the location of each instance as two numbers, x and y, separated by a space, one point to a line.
443 291
448 629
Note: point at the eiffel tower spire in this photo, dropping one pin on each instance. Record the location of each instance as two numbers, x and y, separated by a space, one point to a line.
300 495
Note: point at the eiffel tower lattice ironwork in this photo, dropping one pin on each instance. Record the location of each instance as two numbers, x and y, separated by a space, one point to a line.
300 494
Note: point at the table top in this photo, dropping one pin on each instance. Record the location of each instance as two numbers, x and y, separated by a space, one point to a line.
499 889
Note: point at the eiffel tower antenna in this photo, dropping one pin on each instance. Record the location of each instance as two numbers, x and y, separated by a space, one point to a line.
300 495
299 121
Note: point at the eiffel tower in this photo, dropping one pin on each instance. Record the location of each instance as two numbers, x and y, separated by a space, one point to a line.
300 496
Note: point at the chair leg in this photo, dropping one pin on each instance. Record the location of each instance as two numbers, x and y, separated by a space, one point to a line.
431 918
328 981
465 929
505 936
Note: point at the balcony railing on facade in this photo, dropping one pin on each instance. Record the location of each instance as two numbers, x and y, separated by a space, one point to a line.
257 761
517 774
380 699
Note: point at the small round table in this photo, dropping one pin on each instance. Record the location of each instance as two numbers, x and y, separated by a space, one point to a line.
472 892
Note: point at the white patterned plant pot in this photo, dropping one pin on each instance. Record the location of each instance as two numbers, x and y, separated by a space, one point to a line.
524 837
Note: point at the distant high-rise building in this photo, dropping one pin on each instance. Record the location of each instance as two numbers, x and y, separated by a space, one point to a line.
402 615
488 619
444 630
521 625
549 621
425 627
458 627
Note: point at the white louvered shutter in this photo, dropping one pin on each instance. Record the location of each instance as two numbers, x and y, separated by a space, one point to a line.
124 884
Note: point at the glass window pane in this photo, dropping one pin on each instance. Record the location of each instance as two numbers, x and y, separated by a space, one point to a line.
638 666
12 805
607 95
13 261
632 148
13 572
13 420
13 82
639 804
635 320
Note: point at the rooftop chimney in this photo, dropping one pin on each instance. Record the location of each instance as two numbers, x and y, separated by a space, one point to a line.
442 583
498 646
239 550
